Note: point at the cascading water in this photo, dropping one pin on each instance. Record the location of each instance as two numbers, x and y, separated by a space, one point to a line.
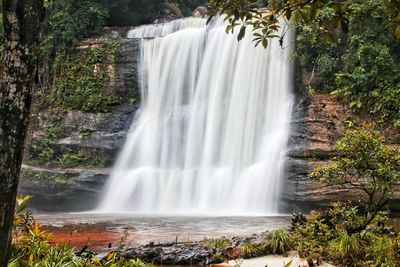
213 125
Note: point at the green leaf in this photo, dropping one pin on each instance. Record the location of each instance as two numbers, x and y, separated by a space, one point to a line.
288 14
265 43
242 32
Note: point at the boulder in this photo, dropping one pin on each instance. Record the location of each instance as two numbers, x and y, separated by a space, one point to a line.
62 190
200 12
171 254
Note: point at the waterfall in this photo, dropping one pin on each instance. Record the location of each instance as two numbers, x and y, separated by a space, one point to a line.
212 130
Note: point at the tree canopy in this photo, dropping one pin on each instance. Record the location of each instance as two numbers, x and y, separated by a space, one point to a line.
264 16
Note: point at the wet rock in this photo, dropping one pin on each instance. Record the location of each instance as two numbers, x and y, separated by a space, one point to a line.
297 219
318 122
97 130
167 254
62 189
169 12
200 12
123 70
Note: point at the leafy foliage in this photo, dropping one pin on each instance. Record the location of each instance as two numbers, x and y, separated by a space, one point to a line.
370 76
346 248
312 237
70 160
69 21
384 250
84 83
365 164
264 16
329 235
362 65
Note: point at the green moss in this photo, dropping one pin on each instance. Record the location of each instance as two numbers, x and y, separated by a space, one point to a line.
70 160
57 179
85 132
40 150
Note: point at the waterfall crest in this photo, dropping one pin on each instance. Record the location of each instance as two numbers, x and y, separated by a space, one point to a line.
212 130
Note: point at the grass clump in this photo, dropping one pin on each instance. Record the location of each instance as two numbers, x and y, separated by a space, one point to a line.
347 249
250 250
278 241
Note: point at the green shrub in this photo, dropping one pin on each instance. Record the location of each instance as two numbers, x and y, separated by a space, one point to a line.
311 238
250 250
217 243
366 165
382 251
343 216
333 234
347 248
278 242
70 160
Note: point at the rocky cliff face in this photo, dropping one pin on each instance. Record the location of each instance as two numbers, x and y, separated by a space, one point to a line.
96 136
318 122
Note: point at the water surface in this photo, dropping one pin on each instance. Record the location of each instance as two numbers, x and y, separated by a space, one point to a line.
106 231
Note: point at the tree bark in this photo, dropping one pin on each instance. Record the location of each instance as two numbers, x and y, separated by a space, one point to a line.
22 26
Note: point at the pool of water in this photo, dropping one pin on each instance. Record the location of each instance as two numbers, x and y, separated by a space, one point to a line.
106 231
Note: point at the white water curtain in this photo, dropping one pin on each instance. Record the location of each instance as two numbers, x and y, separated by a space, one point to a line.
213 126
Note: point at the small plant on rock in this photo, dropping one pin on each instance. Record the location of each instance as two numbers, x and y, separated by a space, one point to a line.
234 258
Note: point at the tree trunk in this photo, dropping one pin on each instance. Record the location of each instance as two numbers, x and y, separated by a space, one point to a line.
22 25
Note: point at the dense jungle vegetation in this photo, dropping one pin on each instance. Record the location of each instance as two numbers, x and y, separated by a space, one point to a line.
361 65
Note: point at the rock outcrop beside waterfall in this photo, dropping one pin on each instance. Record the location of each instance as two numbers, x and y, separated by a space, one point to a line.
318 122
96 135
